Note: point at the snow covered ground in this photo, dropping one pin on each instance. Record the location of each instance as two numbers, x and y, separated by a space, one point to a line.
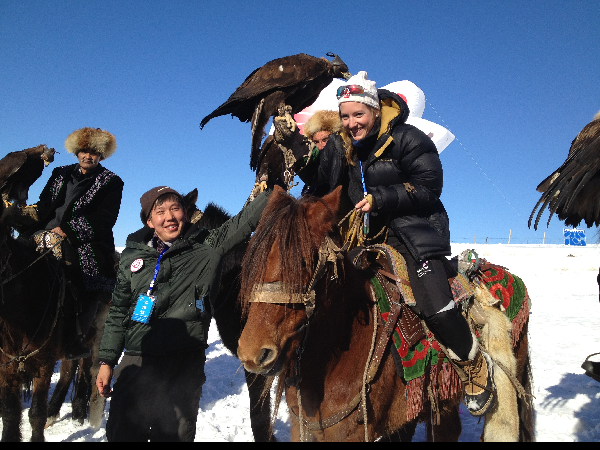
564 329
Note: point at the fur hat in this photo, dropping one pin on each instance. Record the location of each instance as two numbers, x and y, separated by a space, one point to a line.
322 120
94 139
149 198
369 98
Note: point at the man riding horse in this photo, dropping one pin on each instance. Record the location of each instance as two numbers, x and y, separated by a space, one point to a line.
77 211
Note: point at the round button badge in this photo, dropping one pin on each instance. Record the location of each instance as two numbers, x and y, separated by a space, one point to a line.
137 265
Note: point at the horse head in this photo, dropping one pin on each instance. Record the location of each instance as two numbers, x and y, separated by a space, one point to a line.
279 277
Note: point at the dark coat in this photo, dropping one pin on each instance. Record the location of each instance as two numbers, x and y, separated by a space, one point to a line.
403 173
87 221
189 272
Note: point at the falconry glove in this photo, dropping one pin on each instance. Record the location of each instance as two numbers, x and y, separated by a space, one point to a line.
296 147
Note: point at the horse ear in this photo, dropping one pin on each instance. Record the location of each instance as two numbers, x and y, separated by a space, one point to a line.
332 200
190 198
321 215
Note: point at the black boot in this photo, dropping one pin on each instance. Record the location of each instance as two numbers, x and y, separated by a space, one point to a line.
77 347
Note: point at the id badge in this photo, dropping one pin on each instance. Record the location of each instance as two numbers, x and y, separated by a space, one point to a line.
143 308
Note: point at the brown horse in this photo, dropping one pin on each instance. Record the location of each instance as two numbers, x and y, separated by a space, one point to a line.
315 326
32 292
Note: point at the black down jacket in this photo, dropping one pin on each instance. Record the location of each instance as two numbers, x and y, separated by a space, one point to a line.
402 171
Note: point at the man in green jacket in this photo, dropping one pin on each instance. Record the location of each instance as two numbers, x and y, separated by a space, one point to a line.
160 315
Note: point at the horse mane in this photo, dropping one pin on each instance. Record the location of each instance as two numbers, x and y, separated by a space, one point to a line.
284 219
213 217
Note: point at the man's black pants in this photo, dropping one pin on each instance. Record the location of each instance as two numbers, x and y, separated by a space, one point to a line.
155 398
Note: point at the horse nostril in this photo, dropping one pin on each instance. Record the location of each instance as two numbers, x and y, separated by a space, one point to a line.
267 355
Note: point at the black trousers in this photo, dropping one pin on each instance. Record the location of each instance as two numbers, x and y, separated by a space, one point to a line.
429 283
155 398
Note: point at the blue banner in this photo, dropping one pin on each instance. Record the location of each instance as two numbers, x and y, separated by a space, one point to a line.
574 236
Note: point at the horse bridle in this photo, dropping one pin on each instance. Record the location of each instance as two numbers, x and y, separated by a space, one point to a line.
275 292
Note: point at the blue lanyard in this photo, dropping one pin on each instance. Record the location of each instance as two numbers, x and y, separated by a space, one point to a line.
156 271
364 186
362 178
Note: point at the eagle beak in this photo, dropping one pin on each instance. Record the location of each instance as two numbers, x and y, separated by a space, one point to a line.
346 75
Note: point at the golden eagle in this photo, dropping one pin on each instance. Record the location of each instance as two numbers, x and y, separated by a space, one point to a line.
295 81
573 190
19 170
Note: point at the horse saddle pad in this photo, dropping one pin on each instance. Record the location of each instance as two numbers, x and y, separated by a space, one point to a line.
390 271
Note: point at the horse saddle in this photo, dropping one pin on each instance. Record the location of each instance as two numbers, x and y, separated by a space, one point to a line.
390 270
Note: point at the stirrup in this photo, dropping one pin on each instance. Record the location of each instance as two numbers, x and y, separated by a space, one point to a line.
478 403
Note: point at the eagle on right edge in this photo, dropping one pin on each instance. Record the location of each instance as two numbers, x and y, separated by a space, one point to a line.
573 190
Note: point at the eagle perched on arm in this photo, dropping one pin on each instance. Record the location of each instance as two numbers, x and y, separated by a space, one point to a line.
19 170
295 81
573 190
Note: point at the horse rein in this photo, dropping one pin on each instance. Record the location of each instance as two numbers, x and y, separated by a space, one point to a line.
48 250
274 292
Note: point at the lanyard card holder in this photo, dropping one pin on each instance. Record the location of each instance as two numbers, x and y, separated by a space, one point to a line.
143 308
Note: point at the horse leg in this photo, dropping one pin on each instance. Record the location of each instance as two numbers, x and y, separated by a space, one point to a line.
404 434
260 408
67 373
11 411
82 391
449 427
97 402
38 413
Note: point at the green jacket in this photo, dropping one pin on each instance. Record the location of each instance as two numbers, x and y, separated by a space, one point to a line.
189 271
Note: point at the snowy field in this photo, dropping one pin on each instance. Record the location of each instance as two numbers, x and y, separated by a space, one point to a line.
564 329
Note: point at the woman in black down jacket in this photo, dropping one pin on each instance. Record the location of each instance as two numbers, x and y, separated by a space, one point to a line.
401 172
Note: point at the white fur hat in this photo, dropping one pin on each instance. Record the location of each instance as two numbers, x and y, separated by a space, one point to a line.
93 139
369 97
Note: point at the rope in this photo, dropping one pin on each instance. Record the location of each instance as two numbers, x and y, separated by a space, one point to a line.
521 392
34 261
366 372
355 231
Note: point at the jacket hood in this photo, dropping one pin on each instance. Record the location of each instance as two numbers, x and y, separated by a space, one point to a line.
394 110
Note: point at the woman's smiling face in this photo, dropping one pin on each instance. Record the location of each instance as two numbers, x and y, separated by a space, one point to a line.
357 118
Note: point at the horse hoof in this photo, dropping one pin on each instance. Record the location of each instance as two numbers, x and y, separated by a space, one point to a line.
51 420
79 421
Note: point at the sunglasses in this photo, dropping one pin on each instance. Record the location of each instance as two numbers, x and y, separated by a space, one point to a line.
351 89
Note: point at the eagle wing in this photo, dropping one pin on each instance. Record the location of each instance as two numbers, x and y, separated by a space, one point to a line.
288 74
9 165
573 190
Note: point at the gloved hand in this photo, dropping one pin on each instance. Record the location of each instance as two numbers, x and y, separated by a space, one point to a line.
285 126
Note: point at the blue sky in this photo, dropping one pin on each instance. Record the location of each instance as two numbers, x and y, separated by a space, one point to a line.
515 81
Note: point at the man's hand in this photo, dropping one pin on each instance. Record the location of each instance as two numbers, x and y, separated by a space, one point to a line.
103 380
59 231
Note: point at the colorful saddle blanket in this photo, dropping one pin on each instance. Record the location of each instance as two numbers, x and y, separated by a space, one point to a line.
420 360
